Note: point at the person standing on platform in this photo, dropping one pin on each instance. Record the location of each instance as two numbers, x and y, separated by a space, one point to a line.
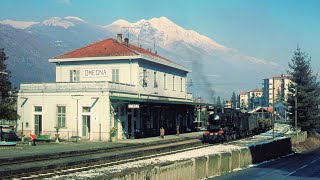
162 131
178 130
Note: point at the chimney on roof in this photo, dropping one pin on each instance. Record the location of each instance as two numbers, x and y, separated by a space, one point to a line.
119 38
126 41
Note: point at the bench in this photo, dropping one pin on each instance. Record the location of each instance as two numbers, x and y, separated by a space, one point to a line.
39 137
44 137
75 138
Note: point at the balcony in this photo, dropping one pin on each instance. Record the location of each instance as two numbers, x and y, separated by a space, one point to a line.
113 87
65 87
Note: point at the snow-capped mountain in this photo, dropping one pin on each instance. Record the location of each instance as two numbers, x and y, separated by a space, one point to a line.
165 33
65 22
214 65
18 24
67 33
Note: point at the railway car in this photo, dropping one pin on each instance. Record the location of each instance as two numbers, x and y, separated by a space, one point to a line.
230 124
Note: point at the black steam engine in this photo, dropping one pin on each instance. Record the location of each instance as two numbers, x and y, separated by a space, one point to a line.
230 124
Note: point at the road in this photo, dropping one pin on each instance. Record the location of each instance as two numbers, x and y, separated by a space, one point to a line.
296 166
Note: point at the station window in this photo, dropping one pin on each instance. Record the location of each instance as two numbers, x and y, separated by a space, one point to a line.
38 109
61 115
144 78
173 88
86 109
155 83
181 84
74 75
115 75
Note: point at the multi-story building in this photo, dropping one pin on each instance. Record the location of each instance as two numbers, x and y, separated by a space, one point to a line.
281 84
105 85
246 99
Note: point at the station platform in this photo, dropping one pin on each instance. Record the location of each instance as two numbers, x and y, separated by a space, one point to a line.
23 149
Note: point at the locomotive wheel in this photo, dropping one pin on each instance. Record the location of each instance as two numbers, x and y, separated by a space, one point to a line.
234 136
227 138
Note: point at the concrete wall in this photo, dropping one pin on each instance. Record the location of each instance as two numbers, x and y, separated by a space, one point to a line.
212 165
299 137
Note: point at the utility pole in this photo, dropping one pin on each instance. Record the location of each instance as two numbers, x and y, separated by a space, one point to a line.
273 116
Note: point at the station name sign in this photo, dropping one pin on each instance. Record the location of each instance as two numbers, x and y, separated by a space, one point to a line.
89 73
133 106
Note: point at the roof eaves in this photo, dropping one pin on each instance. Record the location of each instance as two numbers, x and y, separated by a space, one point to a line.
55 60
167 63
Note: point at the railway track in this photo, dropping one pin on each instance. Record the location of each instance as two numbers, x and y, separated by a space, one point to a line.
46 174
50 156
66 163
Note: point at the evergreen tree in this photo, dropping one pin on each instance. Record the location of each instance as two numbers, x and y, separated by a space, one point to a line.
233 101
223 103
5 84
280 96
219 105
252 98
7 100
307 92
238 101
243 105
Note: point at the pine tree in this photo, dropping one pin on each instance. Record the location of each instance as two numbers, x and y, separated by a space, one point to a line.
5 84
7 100
233 100
252 98
307 92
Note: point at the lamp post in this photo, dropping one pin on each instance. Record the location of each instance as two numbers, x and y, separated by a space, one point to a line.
77 97
22 113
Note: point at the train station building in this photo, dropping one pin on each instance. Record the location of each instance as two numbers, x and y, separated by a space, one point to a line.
109 88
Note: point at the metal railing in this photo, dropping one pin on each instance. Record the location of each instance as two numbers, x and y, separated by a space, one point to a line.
98 86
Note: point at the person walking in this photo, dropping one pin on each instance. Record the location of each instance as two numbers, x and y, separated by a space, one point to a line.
162 131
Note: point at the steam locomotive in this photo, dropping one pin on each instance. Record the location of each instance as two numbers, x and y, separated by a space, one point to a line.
229 124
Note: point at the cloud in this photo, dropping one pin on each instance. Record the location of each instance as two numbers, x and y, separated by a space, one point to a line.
66 2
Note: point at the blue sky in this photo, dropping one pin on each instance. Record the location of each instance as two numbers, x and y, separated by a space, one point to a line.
268 29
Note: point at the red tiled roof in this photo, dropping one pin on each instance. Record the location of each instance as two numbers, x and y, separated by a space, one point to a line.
146 52
257 90
243 93
109 47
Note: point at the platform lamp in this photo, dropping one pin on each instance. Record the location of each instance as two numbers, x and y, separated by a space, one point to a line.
77 97
24 100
